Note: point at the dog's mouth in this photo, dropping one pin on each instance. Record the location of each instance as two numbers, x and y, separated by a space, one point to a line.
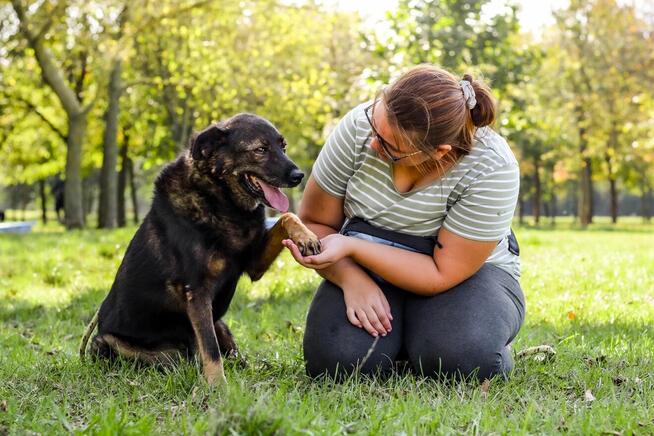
269 194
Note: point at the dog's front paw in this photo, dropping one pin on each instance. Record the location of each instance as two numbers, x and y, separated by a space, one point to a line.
308 243
305 239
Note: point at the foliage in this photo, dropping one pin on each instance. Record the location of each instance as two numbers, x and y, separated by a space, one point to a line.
569 99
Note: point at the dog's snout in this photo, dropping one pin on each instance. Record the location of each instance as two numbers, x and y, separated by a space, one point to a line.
296 176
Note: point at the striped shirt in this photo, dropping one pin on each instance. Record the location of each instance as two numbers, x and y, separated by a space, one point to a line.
475 199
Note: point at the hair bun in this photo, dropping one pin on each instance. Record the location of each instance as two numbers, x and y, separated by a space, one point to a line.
483 114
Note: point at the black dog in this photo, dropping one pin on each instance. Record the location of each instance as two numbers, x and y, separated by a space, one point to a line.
205 228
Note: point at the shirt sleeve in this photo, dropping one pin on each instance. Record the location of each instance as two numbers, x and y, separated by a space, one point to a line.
484 211
334 165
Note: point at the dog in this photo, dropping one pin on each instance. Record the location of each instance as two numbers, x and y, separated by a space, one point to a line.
205 228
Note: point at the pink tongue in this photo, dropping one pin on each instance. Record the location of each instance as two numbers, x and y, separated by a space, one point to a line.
275 197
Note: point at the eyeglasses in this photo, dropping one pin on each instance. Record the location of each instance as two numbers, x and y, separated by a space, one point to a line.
382 142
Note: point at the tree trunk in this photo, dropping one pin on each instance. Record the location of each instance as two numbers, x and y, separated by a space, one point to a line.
109 176
649 203
88 193
614 199
73 209
132 188
122 183
585 208
521 210
552 195
611 146
646 202
574 187
537 190
44 205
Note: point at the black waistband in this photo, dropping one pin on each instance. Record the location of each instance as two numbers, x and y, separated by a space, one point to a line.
421 244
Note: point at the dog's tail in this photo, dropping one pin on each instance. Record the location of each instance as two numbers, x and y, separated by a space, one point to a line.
87 334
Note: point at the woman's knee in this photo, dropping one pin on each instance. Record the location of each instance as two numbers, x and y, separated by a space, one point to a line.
333 346
340 361
462 360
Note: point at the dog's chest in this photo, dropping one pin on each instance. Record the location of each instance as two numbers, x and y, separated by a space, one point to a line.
240 238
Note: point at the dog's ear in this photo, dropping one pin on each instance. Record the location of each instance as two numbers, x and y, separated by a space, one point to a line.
202 142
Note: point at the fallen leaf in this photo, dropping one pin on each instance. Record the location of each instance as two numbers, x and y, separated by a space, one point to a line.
588 396
541 353
571 315
485 385
3 406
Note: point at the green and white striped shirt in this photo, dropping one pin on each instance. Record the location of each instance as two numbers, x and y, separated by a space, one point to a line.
475 199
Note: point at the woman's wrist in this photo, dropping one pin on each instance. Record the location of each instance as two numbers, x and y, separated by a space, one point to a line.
343 273
355 247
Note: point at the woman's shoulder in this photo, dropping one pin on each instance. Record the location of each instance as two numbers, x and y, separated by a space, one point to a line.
492 148
358 115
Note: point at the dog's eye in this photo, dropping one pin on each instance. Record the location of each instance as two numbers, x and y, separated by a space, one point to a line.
261 150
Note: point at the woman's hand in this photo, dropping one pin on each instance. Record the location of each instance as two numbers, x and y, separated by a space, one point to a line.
367 307
334 248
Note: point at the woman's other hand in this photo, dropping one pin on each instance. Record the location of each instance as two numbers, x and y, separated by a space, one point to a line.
367 307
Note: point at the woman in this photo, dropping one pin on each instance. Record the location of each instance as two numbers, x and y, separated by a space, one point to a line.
426 266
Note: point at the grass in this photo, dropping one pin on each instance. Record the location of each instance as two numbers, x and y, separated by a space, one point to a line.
590 295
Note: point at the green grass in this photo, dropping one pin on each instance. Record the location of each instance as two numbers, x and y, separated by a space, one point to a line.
590 295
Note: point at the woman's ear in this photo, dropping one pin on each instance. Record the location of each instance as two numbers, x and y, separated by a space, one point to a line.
442 151
204 141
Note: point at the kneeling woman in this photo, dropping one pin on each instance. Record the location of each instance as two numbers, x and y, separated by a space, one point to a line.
425 266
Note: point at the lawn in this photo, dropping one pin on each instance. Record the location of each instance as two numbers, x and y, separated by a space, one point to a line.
590 295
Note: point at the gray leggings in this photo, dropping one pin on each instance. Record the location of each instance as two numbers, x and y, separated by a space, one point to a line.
460 332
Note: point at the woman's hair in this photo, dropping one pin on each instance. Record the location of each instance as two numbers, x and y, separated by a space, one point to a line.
426 107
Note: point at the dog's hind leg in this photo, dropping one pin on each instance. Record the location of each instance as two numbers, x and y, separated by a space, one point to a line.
227 344
108 346
225 339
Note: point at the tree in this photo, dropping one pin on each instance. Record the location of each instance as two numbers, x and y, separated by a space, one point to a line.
34 27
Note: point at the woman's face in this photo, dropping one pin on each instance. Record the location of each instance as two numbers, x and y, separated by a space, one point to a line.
386 145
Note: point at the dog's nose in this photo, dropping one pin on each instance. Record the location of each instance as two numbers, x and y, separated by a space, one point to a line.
296 176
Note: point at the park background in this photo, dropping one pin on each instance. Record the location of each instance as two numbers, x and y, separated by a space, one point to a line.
96 96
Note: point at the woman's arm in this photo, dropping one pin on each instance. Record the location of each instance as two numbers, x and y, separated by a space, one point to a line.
366 304
458 260
421 274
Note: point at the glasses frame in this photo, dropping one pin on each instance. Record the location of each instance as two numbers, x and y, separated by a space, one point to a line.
382 142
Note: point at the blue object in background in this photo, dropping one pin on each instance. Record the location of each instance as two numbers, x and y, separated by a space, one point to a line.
17 227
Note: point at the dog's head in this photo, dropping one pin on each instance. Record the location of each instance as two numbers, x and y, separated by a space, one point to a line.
248 155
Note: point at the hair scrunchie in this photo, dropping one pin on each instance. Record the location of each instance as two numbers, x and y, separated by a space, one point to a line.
468 93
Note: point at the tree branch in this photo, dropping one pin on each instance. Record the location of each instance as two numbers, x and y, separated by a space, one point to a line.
50 71
45 119
51 15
